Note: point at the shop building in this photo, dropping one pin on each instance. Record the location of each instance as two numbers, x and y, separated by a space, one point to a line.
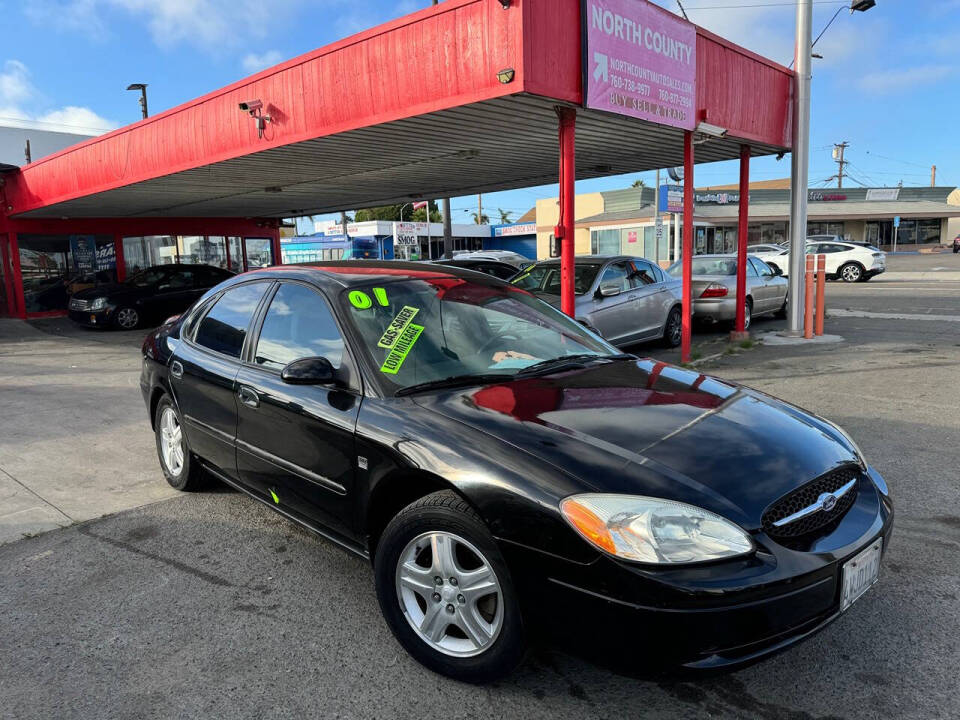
623 221
518 237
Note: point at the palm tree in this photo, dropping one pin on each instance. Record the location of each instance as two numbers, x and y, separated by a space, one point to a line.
480 219
504 216
639 184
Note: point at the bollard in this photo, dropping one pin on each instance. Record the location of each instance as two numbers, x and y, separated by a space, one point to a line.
821 293
808 299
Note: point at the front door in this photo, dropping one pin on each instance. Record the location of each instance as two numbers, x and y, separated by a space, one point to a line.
612 316
203 372
295 443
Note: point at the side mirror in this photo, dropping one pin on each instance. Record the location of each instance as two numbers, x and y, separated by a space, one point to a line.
609 289
777 271
309 371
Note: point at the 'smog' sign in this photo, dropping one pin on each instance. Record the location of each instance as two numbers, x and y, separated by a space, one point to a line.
640 61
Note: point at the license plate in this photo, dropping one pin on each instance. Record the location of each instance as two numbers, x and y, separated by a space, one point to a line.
859 573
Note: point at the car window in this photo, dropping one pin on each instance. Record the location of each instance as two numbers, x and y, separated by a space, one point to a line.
545 278
499 271
210 276
224 328
643 274
148 277
751 268
178 280
298 324
763 270
617 274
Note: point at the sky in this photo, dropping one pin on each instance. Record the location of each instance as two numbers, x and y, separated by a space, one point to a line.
888 83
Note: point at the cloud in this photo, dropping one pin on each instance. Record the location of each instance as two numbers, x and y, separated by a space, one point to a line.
253 63
208 24
895 81
21 105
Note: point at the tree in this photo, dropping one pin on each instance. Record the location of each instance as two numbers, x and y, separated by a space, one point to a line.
504 216
639 184
479 219
421 214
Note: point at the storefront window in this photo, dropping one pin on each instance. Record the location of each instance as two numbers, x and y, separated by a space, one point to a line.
236 254
258 253
605 242
825 228
204 250
54 267
143 252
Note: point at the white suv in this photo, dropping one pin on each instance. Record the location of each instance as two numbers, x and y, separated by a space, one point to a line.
847 261
773 255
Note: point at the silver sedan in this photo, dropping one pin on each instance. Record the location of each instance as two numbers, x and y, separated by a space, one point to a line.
624 299
714 288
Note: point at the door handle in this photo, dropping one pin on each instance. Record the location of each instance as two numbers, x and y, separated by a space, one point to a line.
248 396
176 369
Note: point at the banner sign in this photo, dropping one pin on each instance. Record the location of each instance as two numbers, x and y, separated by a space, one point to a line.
84 251
640 60
671 198
718 198
817 196
519 229
405 234
883 194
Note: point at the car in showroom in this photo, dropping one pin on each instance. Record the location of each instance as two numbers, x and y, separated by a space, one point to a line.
714 289
147 296
510 475
625 299
848 261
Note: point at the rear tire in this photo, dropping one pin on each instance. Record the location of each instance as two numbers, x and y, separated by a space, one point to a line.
782 312
673 328
431 540
179 467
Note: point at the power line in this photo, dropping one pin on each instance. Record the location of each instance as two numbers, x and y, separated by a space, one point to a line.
905 162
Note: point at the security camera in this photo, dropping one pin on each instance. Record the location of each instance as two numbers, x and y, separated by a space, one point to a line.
251 106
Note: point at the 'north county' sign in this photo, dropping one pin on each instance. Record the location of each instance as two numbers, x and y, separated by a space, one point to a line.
640 60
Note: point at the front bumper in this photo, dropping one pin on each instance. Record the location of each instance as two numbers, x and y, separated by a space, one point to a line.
92 318
710 616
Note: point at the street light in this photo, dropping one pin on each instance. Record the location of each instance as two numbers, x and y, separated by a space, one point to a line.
800 157
142 87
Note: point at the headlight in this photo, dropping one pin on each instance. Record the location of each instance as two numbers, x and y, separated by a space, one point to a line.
98 304
651 530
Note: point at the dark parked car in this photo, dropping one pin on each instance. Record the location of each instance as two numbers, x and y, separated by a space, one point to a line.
150 295
510 474
498 269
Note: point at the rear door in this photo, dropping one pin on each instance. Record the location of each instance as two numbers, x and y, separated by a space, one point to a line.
203 372
295 443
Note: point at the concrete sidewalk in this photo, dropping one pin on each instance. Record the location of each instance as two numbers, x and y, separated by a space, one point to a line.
75 442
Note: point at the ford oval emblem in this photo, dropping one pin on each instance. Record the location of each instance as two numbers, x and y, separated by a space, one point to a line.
828 503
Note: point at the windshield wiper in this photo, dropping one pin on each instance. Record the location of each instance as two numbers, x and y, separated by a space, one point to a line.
570 361
453 381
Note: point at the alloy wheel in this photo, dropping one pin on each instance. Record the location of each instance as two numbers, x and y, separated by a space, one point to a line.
747 312
127 318
449 593
851 273
171 442
675 327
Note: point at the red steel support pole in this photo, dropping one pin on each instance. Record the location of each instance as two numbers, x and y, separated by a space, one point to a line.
568 123
808 299
742 237
821 293
687 252
118 259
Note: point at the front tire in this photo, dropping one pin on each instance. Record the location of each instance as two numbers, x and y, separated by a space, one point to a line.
851 272
175 460
127 318
446 593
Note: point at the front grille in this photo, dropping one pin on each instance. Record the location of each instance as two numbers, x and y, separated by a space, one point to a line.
816 522
78 304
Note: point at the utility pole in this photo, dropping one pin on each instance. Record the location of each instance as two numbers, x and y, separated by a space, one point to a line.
799 168
933 176
343 221
838 150
479 208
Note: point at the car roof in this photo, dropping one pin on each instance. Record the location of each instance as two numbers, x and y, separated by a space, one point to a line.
352 273
473 261
591 259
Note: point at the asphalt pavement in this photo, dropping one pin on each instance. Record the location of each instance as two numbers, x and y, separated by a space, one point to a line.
210 605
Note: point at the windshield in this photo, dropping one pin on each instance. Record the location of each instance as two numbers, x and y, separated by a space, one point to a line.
416 331
545 278
146 278
706 266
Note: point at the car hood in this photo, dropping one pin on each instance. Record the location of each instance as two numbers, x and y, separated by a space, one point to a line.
647 428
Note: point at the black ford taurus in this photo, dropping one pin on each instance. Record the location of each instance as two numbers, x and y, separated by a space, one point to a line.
510 474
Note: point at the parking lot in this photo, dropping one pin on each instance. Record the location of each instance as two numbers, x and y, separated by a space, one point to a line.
210 605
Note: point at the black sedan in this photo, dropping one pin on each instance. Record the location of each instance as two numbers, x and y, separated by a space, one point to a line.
498 269
150 295
511 475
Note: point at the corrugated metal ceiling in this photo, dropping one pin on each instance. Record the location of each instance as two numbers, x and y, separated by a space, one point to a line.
499 144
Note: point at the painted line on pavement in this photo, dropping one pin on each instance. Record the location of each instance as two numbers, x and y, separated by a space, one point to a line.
891 316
